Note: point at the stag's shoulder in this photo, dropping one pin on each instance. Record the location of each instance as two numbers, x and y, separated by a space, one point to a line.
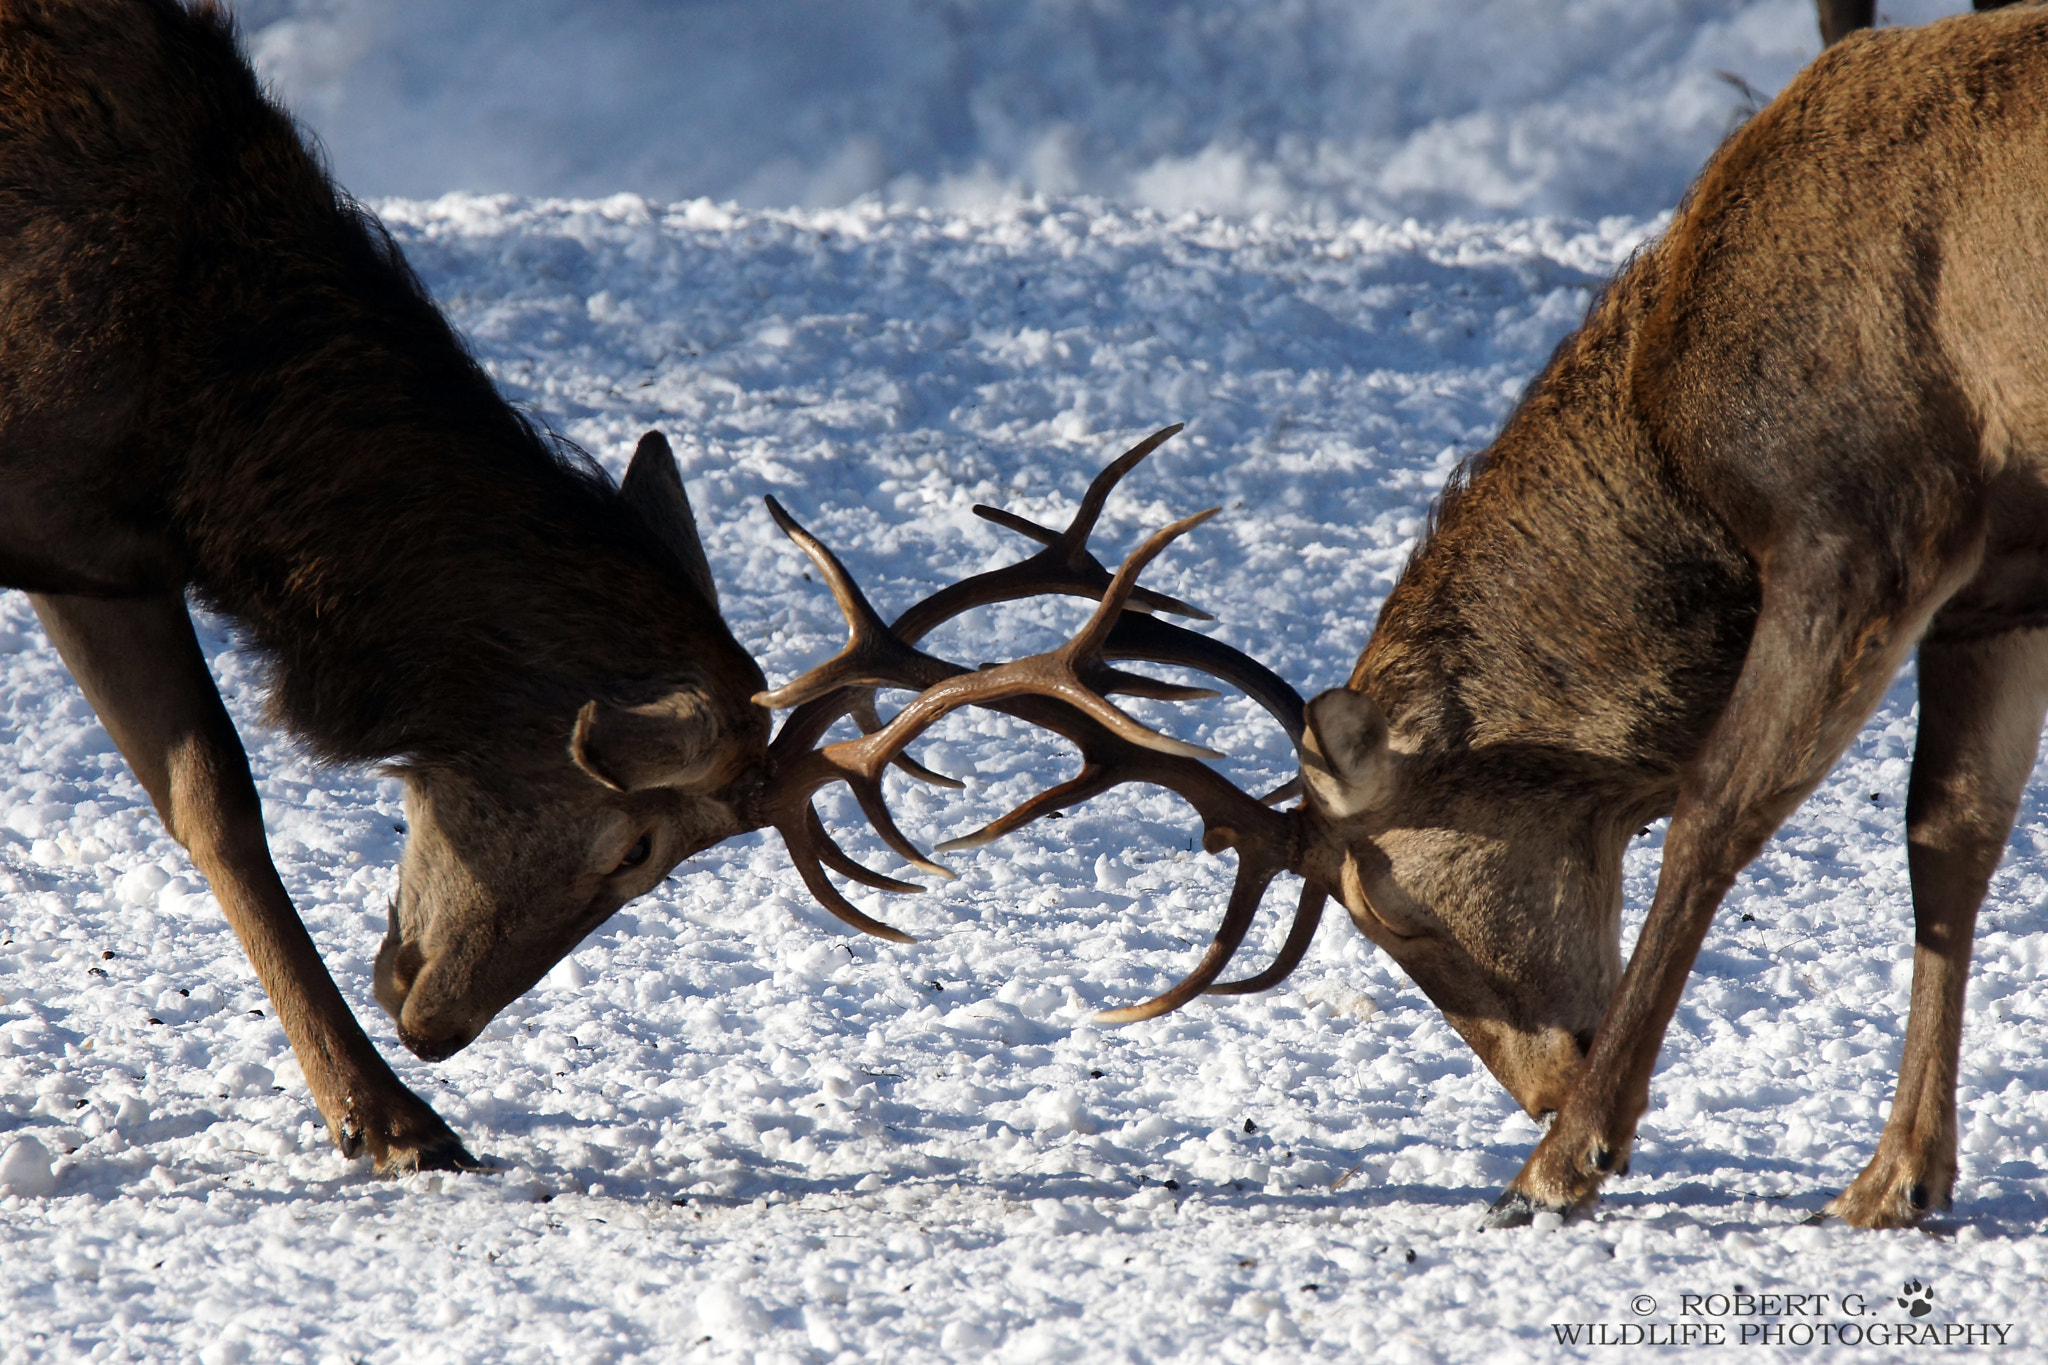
1902 85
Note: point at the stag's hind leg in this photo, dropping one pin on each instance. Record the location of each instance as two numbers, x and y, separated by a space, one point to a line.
1981 707
140 666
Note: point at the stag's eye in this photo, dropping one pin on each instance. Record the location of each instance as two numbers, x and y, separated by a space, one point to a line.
636 855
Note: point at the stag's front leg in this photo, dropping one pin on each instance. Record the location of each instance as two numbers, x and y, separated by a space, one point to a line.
1981 706
1827 641
140 666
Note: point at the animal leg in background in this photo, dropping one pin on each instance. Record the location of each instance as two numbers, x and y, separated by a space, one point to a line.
139 664
1981 706
1840 18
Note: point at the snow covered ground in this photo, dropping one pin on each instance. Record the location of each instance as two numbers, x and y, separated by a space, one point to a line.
730 1131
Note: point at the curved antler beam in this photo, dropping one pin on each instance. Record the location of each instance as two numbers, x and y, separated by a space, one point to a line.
1254 875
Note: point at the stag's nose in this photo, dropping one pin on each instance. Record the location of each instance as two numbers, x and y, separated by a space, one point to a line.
398 967
435 1048
432 1031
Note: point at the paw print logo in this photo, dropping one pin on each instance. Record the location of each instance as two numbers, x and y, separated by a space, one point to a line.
1918 1298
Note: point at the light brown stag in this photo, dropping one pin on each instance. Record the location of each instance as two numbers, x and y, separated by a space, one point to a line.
1802 435
1799 437
219 379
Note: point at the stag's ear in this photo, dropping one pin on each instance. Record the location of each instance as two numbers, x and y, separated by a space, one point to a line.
674 741
653 487
1344 755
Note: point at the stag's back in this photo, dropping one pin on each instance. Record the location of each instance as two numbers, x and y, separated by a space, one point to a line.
1851 304
217 373
120 123
1862 274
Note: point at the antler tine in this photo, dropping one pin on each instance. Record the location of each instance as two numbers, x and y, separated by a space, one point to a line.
806 852
1307 916
862 709
1010 521
1286 791
1142 599
868 792
1058 673
1162 642
1115 680
1254 875
1093 780
870 646
833 856
1103 484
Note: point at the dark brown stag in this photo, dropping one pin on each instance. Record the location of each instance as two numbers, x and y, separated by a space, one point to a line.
219 379
1798 438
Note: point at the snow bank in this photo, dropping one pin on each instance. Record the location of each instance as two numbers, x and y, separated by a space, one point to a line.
1388 107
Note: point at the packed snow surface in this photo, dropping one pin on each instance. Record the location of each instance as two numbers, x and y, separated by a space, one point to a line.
728 1130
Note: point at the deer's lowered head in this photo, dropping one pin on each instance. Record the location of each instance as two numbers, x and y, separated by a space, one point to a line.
1490 881
510 862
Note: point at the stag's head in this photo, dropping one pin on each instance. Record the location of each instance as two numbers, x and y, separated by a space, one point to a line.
506 871
508 867
1496 887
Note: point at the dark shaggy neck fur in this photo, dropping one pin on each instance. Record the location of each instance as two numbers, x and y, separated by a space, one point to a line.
428 574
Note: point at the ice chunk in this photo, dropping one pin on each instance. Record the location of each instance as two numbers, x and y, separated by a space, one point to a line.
728 1314
25 1169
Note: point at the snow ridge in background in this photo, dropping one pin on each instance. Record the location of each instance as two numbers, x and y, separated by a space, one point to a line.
1430 108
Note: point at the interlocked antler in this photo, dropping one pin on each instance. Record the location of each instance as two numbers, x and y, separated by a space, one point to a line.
1063 690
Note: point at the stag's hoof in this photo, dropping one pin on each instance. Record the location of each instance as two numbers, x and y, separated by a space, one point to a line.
1887 1195
1514 1209
413 1138
1562 1176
